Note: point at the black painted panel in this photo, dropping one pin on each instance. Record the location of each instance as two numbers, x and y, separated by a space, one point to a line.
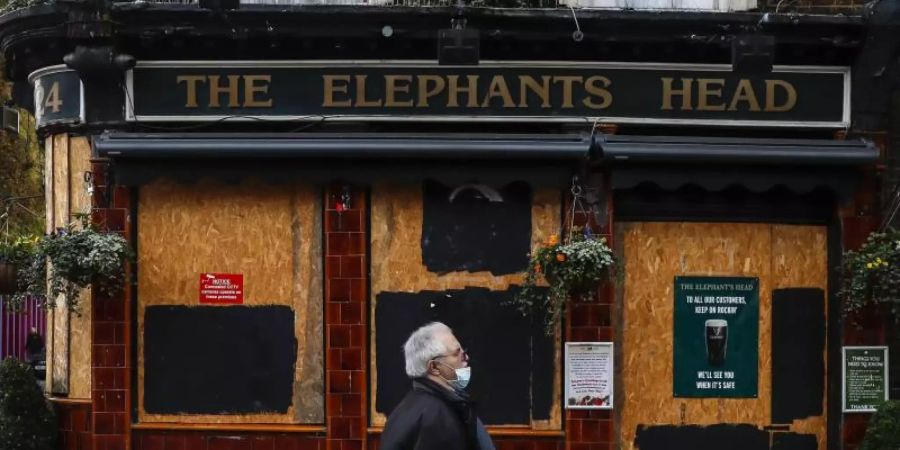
542 370
695 437
506 350
218 360
719 437
794 441
798 348
473 233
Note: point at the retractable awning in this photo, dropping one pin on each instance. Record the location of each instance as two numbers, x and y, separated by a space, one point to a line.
715 163
717 150
344 146
361 157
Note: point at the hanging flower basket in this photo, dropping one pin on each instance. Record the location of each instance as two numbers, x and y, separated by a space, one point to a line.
872 275
569 270
79 256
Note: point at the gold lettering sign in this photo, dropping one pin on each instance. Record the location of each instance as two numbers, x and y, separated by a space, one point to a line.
332 87
547 93
471 90
707 94
772 86
397 84
252 86
361 100
744 93
542 90
669 92
230 88
596 86
191 94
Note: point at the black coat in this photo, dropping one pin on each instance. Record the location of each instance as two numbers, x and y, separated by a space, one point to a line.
431 417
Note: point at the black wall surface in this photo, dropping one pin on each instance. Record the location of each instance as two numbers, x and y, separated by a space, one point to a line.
512 360
218 360
473 233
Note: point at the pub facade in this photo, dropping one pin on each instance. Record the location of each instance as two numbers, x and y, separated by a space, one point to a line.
304 185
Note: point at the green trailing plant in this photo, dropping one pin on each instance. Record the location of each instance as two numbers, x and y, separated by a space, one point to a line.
27 421
79 256
571 269
12 5
883 430
872 274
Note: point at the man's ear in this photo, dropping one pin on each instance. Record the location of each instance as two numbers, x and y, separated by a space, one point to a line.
432 368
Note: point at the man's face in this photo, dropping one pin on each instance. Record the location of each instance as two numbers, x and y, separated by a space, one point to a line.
454 358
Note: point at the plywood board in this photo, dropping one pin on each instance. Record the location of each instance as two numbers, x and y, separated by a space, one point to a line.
80 323
61 214
654 253
271 235
397 265
799 260
69 335
48 227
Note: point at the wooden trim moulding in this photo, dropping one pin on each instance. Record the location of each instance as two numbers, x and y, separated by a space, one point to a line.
501 431
273 428
71 401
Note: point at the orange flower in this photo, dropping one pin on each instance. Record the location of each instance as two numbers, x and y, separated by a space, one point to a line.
553 239
561 257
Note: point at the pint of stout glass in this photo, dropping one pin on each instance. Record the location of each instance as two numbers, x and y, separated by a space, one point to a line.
716 341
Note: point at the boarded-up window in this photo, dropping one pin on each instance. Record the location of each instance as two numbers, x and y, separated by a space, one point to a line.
257 362
467 282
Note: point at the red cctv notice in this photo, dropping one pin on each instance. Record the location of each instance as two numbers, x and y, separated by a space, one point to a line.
222 288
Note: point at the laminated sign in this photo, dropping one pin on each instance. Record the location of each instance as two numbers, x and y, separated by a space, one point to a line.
221 288
716 339
865 378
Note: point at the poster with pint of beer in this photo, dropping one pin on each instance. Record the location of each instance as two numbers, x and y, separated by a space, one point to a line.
716 336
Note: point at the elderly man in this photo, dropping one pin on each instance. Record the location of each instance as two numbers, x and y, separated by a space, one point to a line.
437 413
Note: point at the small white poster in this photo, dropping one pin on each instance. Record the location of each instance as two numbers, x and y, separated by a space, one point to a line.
589 369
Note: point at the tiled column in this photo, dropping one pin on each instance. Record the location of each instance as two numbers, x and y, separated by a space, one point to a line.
857 222
346 290
591 321
110 358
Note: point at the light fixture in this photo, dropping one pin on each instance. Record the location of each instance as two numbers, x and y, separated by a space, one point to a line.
458 45
752 53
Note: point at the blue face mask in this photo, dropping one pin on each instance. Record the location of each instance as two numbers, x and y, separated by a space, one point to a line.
463 375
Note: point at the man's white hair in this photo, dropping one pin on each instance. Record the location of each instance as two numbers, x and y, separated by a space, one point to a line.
424 345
